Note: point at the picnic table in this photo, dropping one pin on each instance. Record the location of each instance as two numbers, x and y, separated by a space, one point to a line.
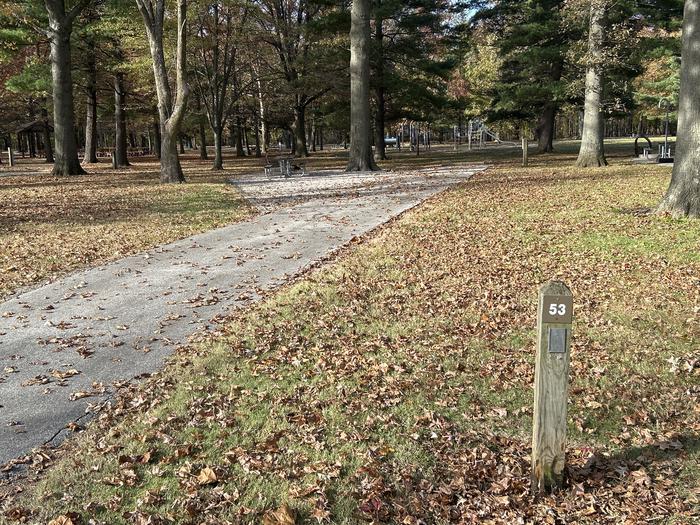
284 166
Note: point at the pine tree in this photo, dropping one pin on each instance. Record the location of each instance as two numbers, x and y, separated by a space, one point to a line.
532 42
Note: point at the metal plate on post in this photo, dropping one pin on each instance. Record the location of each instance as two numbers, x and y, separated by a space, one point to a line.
557 340
557 309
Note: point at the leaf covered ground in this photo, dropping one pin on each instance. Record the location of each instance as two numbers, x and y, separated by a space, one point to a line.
395 385
50 226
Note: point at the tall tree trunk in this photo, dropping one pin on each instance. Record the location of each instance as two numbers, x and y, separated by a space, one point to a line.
379 117
361 158
545 129
120 145
218 157
246 142
202 133
547 124
312 135
32 144
264 131
682 198
171 115
592 153
300 149
239 137
60 29
91 109
48 150
256 123
156 136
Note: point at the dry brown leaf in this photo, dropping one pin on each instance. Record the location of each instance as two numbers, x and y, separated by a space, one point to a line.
282 516
206 476
62 520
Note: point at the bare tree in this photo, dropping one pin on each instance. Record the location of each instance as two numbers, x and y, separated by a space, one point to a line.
361 158
170 115
592 153
682 198
59 35
219 28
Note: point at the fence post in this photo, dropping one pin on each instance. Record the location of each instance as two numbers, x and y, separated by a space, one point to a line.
10 157
554 318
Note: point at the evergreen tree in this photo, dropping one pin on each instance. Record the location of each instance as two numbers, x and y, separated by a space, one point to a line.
532 41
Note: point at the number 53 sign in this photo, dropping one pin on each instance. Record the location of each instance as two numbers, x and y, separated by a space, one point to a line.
557 309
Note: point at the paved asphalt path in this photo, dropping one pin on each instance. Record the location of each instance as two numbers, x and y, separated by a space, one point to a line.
66 345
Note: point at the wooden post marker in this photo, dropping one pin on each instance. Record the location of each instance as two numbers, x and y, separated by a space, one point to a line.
10 157
554 318
525 151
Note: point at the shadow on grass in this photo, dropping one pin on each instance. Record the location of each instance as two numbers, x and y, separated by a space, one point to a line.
616 466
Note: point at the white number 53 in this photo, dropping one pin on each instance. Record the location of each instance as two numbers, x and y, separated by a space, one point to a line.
557 309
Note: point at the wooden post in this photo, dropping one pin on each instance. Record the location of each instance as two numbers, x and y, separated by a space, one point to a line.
554 320
10 157
469 135
114 160
525 147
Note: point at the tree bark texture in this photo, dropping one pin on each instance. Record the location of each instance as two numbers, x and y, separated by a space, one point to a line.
120 145
239 138
682 198
156 135
202 134
379 117
300 149
59 34
545 129
218 158
171 115
361 158
592 153
48 150
91 109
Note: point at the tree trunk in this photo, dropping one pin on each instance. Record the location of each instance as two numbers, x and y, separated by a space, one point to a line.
156 136
361 158
246 142
120 145
256 123
264 131
682 198
218 157
545 129
170 115
300 149
48 150
379 117
592 152
60 28
239 138
313 132
202 133
91 110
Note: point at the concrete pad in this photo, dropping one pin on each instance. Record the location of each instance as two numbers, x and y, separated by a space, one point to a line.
64 346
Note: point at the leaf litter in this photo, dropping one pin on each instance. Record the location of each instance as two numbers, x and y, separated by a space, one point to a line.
395 385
